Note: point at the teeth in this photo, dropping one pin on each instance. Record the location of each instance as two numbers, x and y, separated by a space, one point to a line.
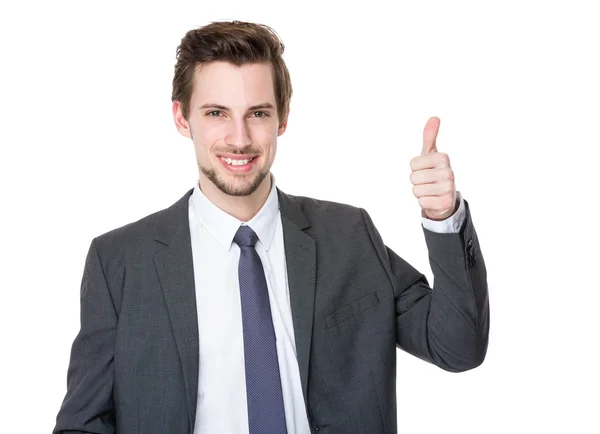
237 162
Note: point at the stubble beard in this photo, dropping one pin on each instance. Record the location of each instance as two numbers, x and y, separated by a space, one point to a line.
245 189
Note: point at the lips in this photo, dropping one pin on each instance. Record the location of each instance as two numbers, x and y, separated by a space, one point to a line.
231 163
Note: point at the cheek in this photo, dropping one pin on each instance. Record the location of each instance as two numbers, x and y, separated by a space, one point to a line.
263 136
208 136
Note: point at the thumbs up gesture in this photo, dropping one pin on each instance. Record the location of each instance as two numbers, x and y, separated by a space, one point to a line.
433 178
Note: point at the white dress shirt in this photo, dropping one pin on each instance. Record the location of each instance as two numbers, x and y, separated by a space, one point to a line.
221 406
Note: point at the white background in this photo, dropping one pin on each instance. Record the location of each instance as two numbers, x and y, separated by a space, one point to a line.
88 144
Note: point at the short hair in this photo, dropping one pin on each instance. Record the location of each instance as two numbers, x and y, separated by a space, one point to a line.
236 42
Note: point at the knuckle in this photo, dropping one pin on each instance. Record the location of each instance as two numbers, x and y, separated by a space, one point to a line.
413 163
415 190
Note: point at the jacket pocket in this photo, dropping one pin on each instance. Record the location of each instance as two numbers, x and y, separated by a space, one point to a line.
351 310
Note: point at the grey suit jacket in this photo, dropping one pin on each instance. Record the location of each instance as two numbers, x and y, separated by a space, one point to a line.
134 363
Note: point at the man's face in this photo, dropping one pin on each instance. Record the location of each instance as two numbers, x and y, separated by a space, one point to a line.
234 125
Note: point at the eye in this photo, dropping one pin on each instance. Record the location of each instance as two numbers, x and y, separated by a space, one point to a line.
261 114
214 113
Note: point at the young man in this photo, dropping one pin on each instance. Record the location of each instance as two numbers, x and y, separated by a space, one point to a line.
242 309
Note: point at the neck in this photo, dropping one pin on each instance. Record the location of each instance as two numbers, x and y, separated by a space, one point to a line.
242 208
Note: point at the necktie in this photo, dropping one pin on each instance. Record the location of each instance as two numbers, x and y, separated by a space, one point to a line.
263 382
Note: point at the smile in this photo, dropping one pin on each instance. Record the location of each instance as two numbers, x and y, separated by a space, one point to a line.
235 162
239 165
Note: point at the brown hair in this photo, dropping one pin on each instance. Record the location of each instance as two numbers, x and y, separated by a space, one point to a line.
236 42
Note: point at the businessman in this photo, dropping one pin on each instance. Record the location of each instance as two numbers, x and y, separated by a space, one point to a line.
244 309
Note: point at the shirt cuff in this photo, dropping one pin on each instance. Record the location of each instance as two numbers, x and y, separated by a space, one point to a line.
451 225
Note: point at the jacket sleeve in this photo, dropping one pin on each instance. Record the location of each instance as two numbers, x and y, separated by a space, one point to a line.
447 325
88 405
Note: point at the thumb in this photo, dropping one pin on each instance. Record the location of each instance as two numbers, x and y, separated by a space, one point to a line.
430 135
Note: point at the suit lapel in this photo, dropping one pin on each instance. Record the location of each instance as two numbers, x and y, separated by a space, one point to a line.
300 252
175 268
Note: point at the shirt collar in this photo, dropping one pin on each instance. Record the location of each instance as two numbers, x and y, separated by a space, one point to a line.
223 226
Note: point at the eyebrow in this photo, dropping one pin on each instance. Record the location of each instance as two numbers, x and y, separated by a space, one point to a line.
264 105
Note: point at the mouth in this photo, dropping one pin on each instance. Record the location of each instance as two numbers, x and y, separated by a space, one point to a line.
238 164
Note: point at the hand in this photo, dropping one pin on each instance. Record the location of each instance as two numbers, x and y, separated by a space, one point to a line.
433 178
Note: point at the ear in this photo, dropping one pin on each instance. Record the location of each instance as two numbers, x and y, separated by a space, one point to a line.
283 126
181 123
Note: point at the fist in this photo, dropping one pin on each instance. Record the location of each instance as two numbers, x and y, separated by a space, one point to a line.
433 178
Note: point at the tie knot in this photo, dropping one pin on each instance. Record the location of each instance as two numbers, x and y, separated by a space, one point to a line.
245 237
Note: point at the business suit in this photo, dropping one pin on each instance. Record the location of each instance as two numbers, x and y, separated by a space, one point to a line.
353 301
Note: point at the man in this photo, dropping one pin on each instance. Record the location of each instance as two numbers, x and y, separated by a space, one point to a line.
242 309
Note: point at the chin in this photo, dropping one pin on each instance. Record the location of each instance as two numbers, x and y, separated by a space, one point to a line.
237 189
236 185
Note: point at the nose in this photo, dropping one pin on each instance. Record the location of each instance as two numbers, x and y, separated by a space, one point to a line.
237 134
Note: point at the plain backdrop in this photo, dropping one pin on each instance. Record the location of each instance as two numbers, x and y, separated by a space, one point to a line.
88 144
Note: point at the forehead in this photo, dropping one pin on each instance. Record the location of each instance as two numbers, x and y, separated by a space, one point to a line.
233 86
